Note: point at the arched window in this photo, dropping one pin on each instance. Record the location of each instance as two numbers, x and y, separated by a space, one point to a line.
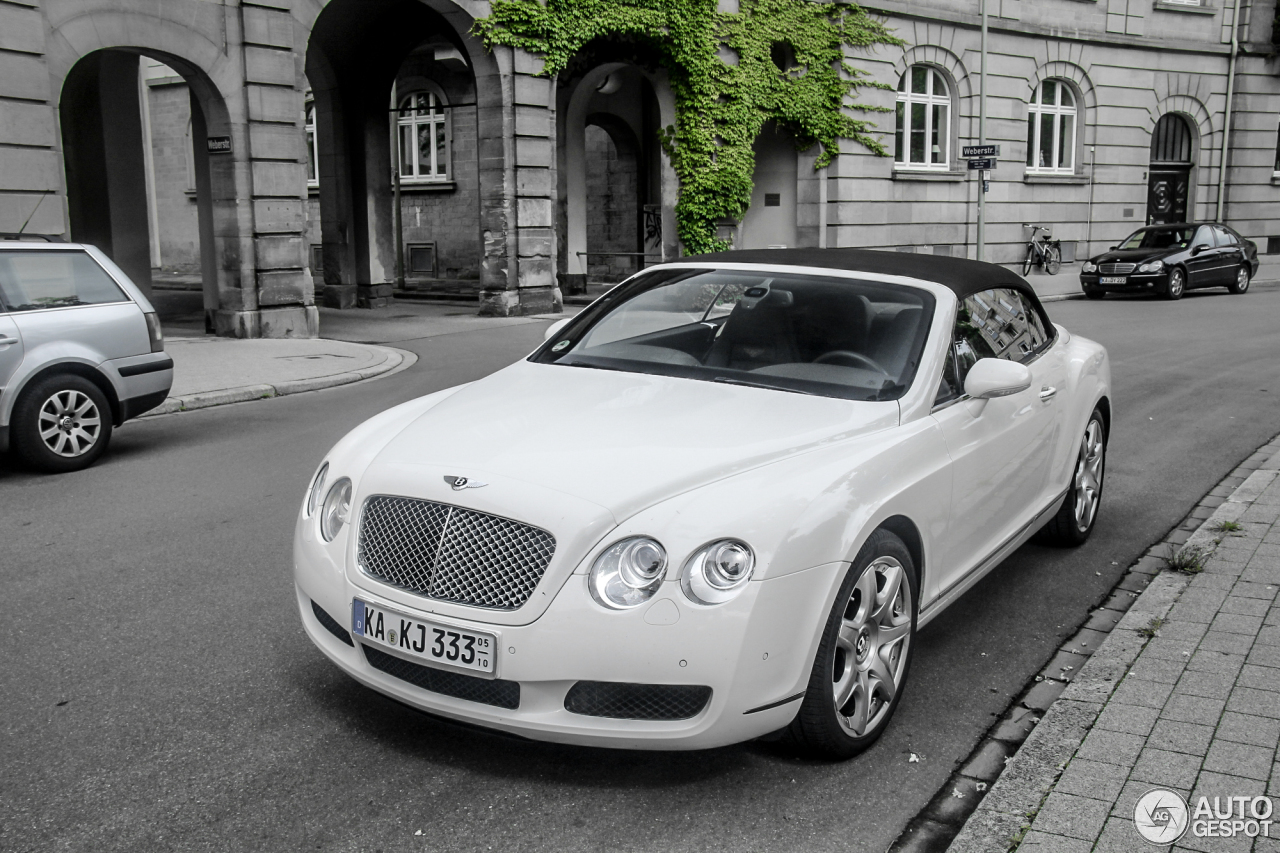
423 138
313 149
923 133
1051 128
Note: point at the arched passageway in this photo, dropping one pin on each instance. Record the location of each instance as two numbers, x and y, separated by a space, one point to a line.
108 149
1169 182
770 222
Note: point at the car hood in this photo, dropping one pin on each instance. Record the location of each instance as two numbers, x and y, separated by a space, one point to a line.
622 441
1133 256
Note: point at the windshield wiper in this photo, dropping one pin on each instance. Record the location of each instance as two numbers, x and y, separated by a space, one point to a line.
591 366
725 380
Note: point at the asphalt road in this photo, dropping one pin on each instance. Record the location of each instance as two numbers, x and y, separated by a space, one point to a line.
157 691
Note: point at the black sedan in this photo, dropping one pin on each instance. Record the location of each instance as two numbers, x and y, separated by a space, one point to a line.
1171 259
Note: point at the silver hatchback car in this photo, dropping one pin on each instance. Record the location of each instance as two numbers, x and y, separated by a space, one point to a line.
81 352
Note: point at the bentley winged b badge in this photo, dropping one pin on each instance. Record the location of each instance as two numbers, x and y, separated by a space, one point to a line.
460 483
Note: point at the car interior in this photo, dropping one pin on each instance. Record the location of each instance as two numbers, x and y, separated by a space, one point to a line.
798 333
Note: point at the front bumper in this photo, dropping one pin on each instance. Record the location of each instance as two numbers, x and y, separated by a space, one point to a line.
753 652
1133 282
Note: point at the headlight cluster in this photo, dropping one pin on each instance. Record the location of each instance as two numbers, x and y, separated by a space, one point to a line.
630 571
1089 266
335 510
1152 266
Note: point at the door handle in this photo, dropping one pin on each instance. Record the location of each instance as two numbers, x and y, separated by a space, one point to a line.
1047 393
6 340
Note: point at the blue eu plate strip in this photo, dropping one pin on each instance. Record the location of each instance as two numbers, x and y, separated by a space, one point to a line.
357 616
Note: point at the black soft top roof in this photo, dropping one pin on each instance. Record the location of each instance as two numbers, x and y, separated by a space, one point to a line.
963 276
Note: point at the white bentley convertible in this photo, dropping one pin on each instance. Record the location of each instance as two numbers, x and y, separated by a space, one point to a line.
716 504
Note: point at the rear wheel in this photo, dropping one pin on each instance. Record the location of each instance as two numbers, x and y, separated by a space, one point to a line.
62 423
1029 260
1241 284
1074 521
864 654
1052 260
1176 285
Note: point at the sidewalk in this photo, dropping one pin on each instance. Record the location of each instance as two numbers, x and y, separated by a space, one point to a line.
1182 696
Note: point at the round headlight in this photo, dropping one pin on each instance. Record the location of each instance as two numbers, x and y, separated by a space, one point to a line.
336 510
718 572
628 573
317 490
1089 266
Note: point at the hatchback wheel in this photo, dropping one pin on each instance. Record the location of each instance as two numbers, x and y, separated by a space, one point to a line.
1241 284
864 654
1176 285
1074 521
62 423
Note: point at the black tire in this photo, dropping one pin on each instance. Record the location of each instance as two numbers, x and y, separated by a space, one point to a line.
1065 529
1241 284
1176 285
1093 293
1029 261
818 729
81 440
1052 260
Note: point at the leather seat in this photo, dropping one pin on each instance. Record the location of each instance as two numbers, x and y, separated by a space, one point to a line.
893 337
757 333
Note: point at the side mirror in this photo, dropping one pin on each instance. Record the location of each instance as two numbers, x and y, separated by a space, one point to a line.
1113 248
996 377
1197 249
554 328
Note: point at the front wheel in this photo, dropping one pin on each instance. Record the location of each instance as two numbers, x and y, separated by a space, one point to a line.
863 656
60 424
1241 284
1052 260
1029 261
1177 284
1074 521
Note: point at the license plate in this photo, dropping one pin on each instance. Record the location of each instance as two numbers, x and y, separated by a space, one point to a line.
1112 279
442 644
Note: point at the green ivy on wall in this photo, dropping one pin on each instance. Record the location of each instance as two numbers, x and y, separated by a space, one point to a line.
730 73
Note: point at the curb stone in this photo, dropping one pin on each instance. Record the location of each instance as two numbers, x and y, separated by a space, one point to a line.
397 359
1042 729
1005 814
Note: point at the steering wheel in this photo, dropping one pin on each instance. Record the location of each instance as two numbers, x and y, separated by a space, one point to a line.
847 355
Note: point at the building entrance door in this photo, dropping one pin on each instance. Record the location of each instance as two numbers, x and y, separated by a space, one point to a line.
1169 180
1167 195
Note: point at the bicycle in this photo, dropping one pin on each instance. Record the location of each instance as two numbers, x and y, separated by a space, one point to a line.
1043 251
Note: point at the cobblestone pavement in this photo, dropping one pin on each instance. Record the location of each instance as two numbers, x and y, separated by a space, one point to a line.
1184 695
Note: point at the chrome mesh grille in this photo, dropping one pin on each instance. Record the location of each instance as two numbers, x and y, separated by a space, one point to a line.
452 554
1116 269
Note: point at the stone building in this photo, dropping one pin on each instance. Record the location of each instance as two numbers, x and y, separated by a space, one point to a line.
302 152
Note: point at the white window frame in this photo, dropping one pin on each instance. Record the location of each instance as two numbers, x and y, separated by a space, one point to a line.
313 143
412 116
1035 110
1276 170
930 99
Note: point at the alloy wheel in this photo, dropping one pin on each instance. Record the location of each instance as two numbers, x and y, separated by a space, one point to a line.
1177 282
70 423
1089 473
1242 280
871 646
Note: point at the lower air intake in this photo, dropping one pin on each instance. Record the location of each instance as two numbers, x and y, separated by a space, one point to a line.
636 701
486 691
330 624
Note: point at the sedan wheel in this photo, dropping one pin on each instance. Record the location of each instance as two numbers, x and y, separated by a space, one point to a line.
1177 284
61 424
1074 521
862 660
1241 284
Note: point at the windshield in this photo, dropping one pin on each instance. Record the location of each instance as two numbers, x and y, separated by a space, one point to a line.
832 337
1158 238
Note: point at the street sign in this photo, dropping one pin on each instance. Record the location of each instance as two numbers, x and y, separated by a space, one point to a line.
986 164
219 145
980 151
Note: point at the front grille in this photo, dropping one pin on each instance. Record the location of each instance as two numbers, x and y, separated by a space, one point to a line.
452 554
486 691
330 624
636 701
1116 269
